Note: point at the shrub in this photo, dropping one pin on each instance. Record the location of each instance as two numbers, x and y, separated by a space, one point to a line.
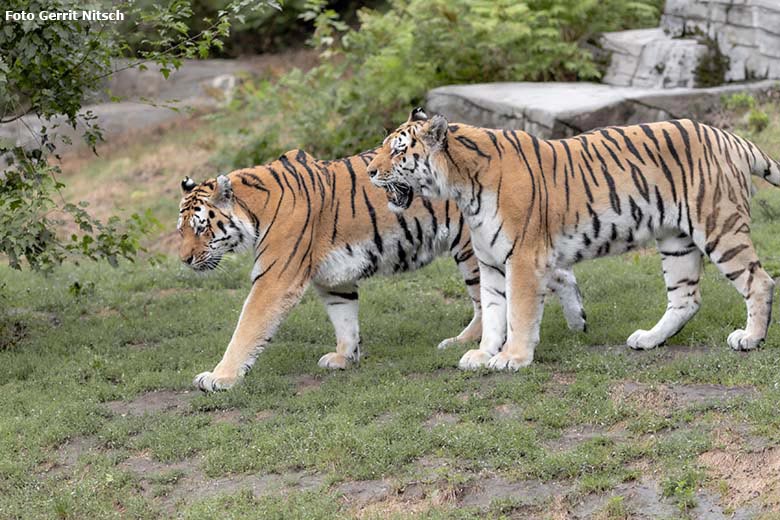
738 101
255 31
48 69
370 77
758 120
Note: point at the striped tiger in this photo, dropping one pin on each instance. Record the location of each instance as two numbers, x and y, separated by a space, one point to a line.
533 205
321 223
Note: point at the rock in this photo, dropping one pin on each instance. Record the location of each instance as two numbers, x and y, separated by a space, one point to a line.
554 110
649 58
742 35
746 31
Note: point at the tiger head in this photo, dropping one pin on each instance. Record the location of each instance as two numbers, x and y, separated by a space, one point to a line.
209 224
408 161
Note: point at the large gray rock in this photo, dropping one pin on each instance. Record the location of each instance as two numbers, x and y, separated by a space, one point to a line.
650 58
745 32
552 110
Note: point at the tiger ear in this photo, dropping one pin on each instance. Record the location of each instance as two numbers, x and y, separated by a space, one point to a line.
187 185
435 132
418 114
223 193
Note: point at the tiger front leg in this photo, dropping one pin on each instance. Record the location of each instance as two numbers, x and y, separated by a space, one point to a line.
263 311
493 302
525 290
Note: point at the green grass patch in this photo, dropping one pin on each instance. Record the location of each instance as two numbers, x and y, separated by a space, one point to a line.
67 356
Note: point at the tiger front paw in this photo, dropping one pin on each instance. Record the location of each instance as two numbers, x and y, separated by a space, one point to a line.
506 361
474 359
209 382
333 361
740 340
643 340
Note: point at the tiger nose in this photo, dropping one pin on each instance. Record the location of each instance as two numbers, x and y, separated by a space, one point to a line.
187 260
372 173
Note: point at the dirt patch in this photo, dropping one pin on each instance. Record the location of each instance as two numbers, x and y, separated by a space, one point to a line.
643 500
69 453
484 491
306 383
183 482
441 419
749 477
672 352
664 353
738 435
572 437
429 468
153 402
226 416
508 411
193 486
563 379
264 415
392 507
666 398
362 492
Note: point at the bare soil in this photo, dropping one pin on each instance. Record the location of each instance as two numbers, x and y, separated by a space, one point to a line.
748 467
666 398
153 402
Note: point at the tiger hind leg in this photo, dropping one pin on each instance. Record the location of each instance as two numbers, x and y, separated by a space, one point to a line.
563 284
682 266
736 258
341 303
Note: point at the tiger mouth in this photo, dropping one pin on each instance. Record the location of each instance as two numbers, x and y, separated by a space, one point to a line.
400 195
209 264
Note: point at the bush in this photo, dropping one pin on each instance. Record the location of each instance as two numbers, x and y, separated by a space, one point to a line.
257 30
48 69
370 77
758 120
738 101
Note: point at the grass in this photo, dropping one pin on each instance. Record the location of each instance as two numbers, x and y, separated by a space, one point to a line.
77 368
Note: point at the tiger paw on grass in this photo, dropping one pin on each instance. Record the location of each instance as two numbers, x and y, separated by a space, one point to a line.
536 206
322 223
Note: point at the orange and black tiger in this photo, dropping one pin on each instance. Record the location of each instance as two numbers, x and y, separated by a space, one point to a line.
321 223
534 205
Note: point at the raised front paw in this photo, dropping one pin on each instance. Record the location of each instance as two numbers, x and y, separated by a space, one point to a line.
209 382
643 340
474 359
333 361
506 361
739 340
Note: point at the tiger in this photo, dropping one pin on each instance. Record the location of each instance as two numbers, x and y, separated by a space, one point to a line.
535 205
321 223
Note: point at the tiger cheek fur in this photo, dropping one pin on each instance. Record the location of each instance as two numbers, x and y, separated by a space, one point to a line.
534 206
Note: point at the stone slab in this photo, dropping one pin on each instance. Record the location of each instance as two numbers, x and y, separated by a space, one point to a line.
554 110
